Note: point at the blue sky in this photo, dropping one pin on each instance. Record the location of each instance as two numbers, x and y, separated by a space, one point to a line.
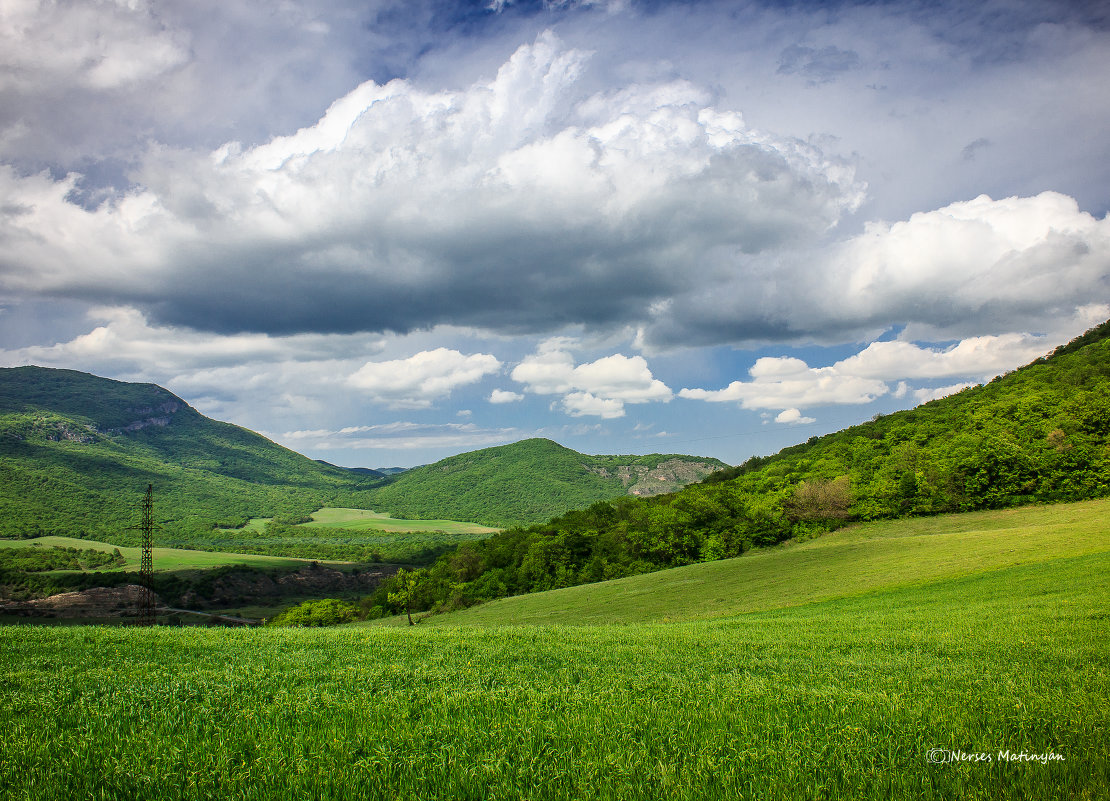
385 232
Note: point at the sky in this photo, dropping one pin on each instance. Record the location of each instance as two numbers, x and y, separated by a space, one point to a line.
382 232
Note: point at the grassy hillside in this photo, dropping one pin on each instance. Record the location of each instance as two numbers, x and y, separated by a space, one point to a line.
855 560
528 482
1039 434
869 695
77 451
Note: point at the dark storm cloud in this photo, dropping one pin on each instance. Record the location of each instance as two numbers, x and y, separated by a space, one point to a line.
605 179
519 204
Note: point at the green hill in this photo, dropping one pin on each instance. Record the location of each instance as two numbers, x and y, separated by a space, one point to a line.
862 559
1038 434
528 482
77 451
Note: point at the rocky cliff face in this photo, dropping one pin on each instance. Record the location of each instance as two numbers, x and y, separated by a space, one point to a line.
669 476
229 589
147 416
245 587
96 602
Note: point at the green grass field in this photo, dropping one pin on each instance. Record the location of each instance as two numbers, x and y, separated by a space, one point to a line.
366 520
257 524
352 534
861 684
164 559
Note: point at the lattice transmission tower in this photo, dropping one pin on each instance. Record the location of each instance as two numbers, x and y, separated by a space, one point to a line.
146 563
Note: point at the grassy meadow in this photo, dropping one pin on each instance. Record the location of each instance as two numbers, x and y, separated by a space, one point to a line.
867 693
350 534
164 559
367 520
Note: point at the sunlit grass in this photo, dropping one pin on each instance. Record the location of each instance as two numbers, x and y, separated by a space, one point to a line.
366 520
853 560
840 699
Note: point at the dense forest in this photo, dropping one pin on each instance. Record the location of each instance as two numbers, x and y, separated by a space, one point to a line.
1039 434
41 560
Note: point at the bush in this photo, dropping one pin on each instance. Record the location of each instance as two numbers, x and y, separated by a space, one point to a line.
329 612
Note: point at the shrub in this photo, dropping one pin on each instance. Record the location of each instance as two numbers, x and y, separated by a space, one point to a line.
329 612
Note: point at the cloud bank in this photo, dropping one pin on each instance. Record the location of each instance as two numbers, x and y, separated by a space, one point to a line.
789 384
524 203
968 269
528 203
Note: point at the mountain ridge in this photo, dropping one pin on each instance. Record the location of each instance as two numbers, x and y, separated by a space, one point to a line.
77 450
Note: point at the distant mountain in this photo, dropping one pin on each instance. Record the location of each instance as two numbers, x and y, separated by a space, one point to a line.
391 471
362 471
77 452
528 482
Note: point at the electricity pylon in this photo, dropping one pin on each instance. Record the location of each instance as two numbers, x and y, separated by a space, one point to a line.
146 563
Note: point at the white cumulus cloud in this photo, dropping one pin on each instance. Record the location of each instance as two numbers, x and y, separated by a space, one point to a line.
585 404
793 417
505 396
790 384
929 394
425 377
976 356
600 387
785 383
975 264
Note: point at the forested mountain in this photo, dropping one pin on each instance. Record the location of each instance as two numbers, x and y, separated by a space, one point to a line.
77 452
1038 434
527 482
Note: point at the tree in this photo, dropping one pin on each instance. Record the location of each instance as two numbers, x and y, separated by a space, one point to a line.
405 582
820 499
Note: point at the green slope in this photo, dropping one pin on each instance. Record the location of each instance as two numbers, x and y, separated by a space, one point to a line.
529 482
1038 434
77 451
856 560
